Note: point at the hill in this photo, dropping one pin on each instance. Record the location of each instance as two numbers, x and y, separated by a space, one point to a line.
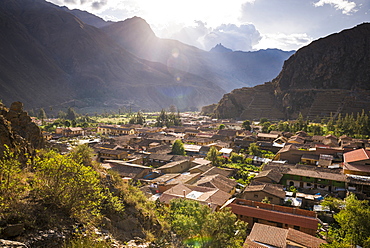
330 75
50 58
229 70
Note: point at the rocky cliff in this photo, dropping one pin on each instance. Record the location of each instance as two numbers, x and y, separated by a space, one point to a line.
330 75
17 131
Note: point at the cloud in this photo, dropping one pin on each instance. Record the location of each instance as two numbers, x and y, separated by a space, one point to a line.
346 6
94 4
285 42
236 37
242 37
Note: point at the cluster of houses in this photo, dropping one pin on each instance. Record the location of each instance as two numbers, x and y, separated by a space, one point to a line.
315 166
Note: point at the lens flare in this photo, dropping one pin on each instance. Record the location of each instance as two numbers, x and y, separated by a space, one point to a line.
177 64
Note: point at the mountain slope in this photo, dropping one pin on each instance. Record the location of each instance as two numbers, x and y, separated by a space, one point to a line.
228 70
50 57
330 75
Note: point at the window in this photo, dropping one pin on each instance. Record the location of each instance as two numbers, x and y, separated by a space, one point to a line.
296 228
270 198
308 184
255 196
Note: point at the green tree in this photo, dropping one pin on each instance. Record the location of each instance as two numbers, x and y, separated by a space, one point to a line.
83 154
138 118
254 150
221 126
71 114
247 125
42 115
197 226
162 119
354 224
213 155
178 148
68 184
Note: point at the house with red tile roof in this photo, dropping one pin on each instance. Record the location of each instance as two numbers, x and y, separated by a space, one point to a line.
285 217
357 162
212 197
270 236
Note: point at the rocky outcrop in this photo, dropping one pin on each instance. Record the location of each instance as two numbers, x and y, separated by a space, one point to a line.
17 131
330 75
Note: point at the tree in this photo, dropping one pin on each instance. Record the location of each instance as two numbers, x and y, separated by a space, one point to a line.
254 150
138 118
213 155
354 224
178 148
172 109
71 114
221 126
266 200
197 226
42 115
161 120
247 125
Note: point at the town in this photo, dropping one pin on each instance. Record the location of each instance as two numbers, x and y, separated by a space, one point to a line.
274 181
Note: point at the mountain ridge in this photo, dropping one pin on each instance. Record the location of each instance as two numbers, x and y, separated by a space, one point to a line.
332 70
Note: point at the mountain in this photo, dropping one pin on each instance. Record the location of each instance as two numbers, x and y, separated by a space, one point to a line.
50 57
55 58
228 70
330 75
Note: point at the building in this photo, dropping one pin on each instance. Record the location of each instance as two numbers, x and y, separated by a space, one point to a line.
270 236
284 217
212 197
274 193
175 167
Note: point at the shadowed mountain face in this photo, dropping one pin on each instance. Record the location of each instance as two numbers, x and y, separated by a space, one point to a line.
331 75
227 69
52 57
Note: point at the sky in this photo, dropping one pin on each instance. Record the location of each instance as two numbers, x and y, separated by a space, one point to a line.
245 25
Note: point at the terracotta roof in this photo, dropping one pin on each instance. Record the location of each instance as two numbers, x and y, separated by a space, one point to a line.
218 181
316 174
279 237
273 174
356 155
271 189
215 170
269 235
250 244
275 216
172 164
304 239
198 193
267 135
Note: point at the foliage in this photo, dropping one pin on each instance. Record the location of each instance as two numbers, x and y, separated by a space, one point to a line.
82 154
138 118
178 148
42 114
333 203
247 125
197 226
354 224
168 120
213 155
221 126
266 200
236 158
254 150
66 183
82 241
71 114
11 185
